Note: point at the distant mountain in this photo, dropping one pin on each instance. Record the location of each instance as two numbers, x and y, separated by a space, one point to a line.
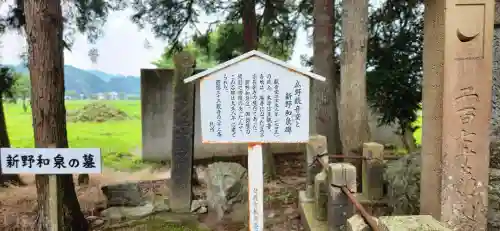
107 77
93 81
104 76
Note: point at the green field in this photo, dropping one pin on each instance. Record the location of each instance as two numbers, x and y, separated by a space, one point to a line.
115 138
418 133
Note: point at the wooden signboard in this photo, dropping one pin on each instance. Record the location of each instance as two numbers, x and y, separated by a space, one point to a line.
254 99
51 161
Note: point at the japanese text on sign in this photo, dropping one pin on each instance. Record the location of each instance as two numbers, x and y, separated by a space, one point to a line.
260 106
50 160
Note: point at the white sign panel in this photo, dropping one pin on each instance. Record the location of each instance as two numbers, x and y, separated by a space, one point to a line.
255 101
255 188
50 160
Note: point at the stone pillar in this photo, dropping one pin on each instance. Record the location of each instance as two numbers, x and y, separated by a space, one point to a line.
321 188
317 145
339 207
156 112
457 74
432 104
372 171
495 117
182 134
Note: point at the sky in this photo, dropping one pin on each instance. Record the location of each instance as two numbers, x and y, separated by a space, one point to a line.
122 48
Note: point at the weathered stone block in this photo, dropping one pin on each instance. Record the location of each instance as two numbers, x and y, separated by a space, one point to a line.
123 194
410 223
321 196
357 223
317 145
339 207
309 222
227 190
373 170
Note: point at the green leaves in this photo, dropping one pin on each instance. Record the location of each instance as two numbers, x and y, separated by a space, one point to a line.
395 48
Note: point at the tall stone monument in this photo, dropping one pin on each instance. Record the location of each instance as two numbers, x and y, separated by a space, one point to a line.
456 111
495 116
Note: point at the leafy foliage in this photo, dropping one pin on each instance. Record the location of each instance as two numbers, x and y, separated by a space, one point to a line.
395 59
79 16
203 60
169 18
221 44
276 23
22 86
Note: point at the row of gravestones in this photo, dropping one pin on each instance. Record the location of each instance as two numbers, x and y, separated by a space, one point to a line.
324 207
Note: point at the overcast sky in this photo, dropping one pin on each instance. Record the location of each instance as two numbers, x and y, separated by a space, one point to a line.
122 49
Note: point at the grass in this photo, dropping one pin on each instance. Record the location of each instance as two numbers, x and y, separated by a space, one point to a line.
117 139
418 133
157 225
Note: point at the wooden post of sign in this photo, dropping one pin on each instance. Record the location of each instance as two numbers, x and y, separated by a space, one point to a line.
255 188
55 201
456 96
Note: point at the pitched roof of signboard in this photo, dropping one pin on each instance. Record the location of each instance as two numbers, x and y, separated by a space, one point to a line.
249 55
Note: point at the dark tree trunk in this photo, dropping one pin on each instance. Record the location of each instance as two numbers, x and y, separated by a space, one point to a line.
44 30
408 139
4 143
25 107
353 109
323 100
251 41
249 25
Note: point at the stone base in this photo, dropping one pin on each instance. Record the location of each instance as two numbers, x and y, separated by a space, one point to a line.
357 223
306 208
409 223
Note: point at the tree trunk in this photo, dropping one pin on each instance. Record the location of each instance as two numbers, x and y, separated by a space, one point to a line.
354 110
83 179
25 107
249 25
44 30
408 140
251 41
324 111
5 143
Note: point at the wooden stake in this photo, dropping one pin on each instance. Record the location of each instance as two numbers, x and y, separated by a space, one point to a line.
255 188
55 213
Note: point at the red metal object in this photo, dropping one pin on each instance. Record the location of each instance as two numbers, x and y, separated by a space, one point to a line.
339 156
